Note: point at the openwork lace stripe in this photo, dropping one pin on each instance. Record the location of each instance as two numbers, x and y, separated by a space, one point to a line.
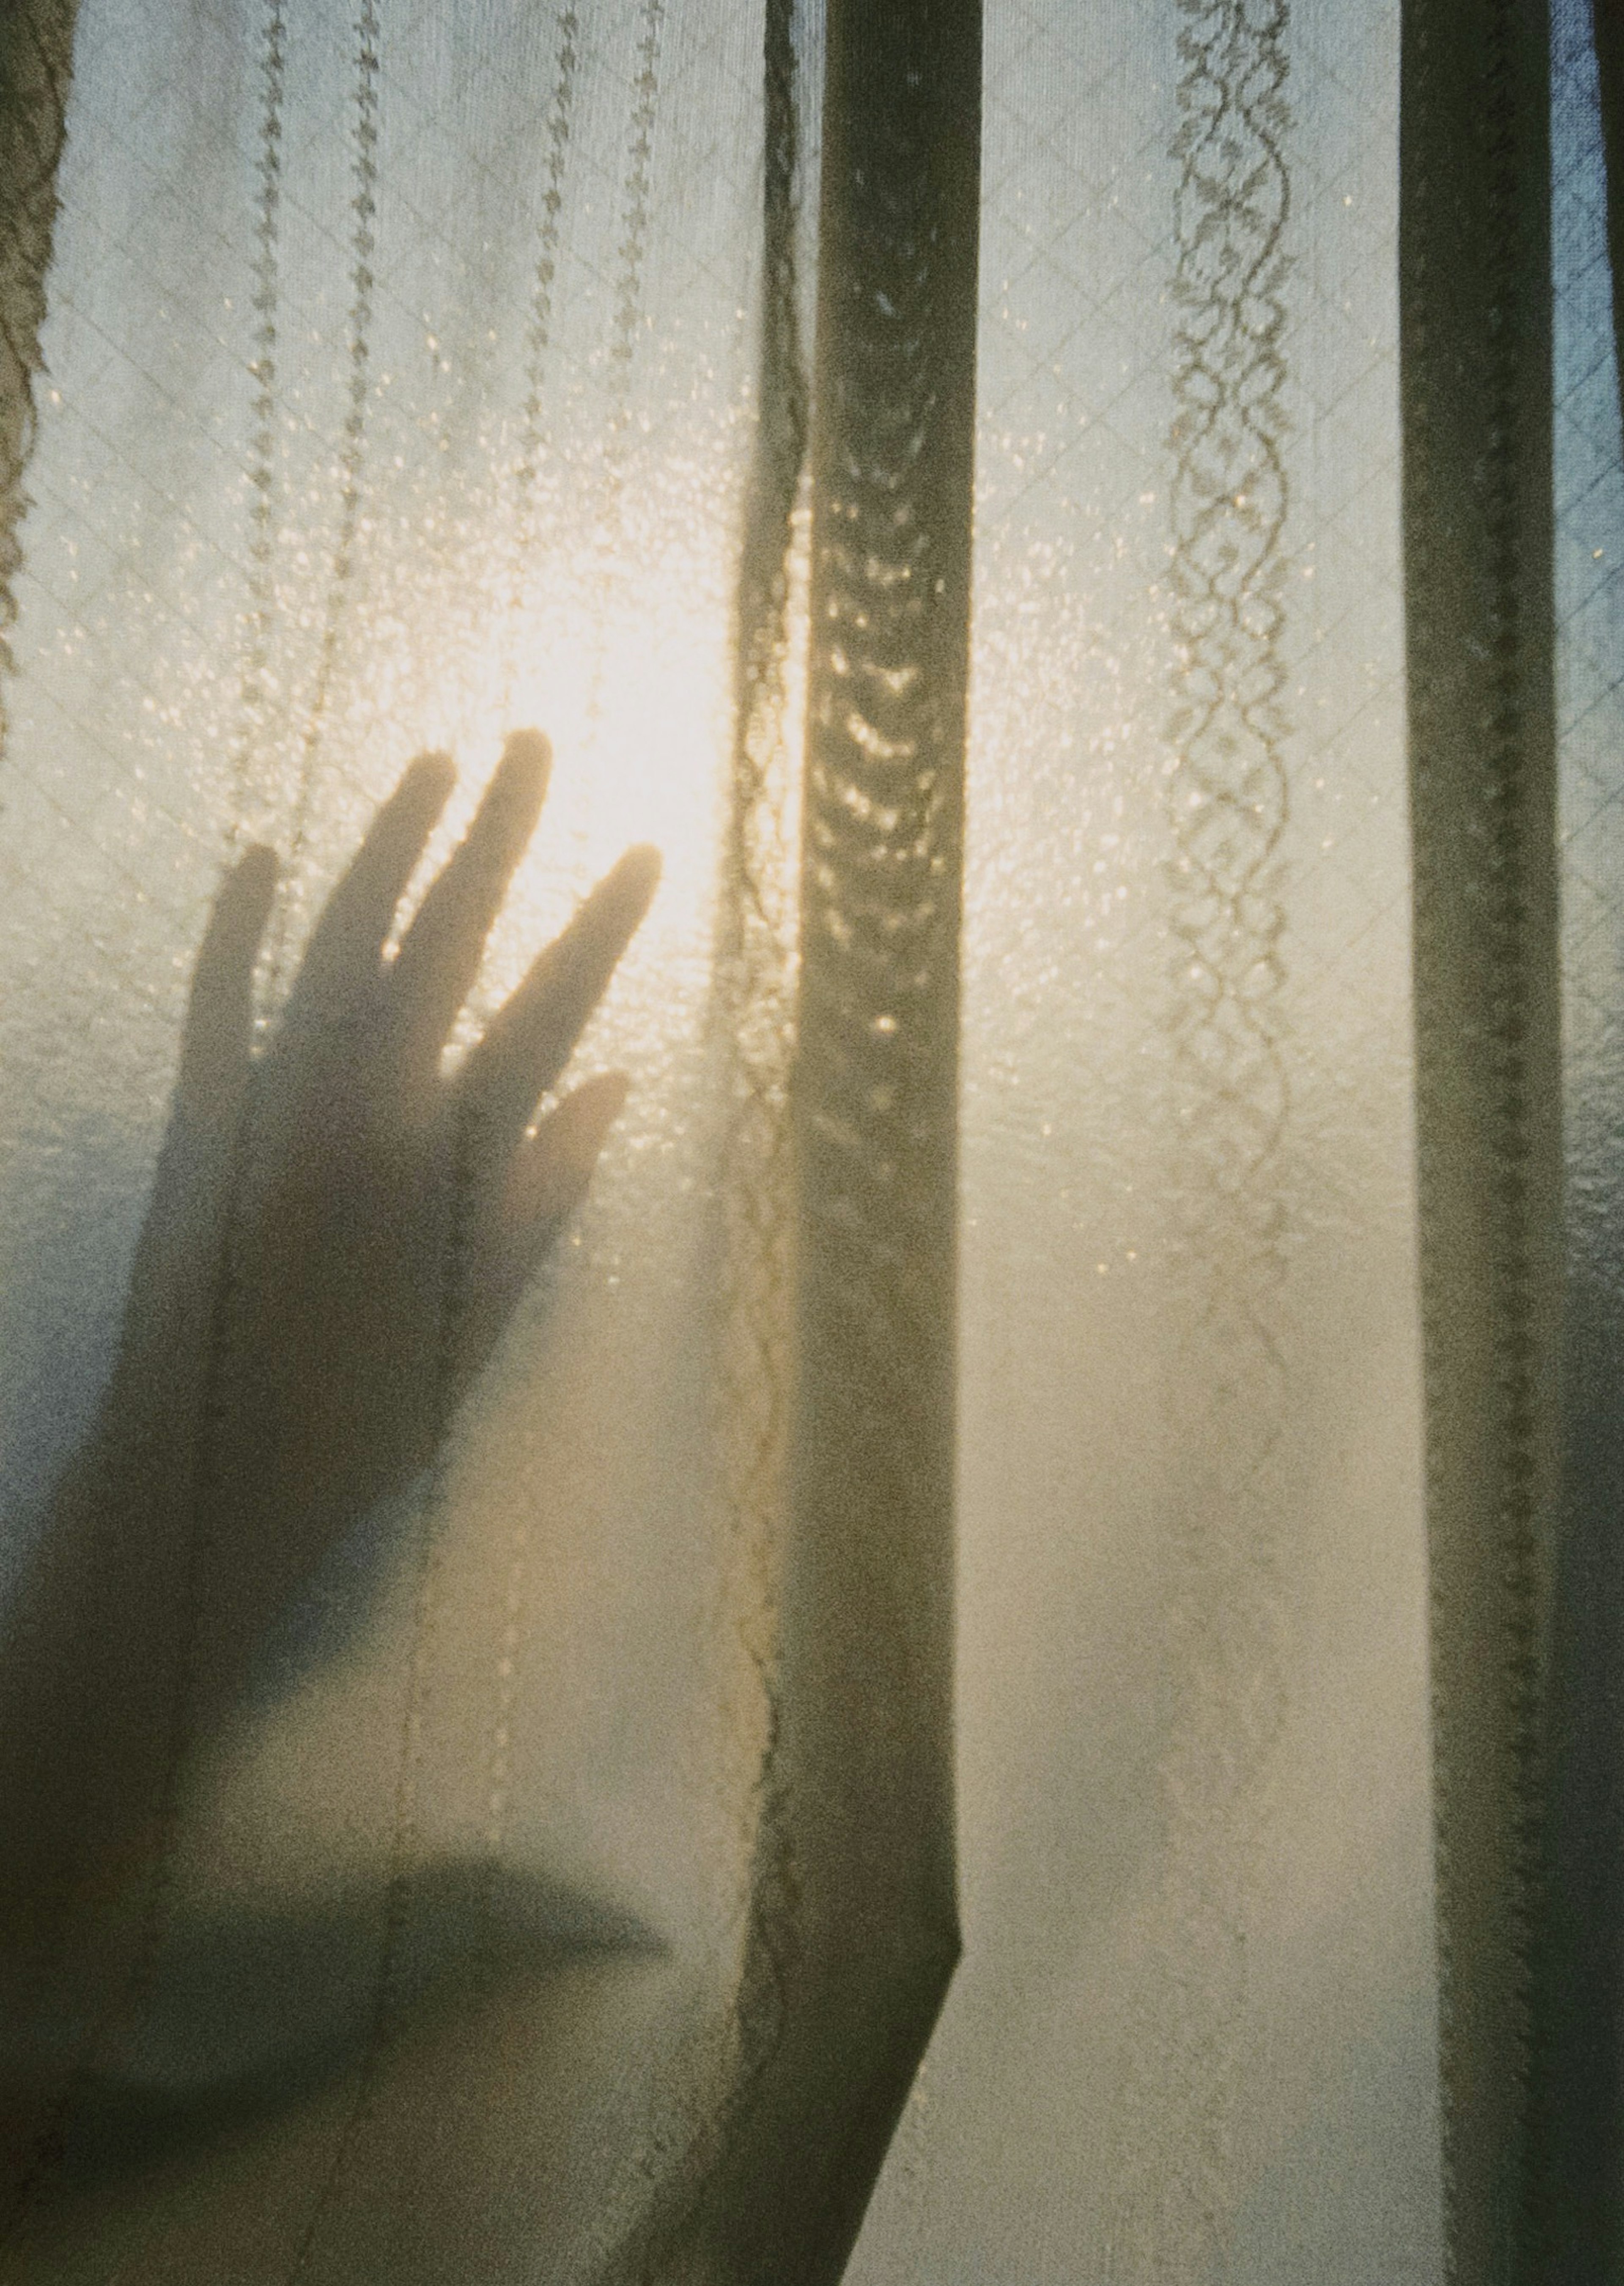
1227 805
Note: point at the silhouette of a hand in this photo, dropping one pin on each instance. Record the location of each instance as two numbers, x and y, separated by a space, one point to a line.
337 1235
383 1220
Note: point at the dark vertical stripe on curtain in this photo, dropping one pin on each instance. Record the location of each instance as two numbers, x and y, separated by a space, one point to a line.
868 1705
1578 2222
37 42
1475 360
868 1628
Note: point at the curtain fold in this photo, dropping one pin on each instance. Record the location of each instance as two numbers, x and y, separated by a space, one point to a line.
1475 367
852 1925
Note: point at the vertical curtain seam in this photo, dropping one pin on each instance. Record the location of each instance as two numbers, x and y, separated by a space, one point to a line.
865 1930
254 679
538 343
532 444
352 457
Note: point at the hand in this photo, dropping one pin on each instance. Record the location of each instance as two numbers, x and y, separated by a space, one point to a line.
384 1219
336 1237
337 1234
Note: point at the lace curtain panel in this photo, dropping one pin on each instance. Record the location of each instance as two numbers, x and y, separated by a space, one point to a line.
1080 1409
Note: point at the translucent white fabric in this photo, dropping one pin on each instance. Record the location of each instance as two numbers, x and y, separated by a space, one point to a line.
400 391
398 394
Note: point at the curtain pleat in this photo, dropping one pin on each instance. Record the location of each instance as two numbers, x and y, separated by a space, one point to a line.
852 1930
1476 406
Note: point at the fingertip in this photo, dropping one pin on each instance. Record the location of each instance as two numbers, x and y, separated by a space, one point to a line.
512 801
635 877
430 777
607 1094
530 742
529 754
414 808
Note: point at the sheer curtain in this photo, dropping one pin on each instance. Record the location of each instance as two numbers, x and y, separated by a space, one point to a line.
397 392
1239 1030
